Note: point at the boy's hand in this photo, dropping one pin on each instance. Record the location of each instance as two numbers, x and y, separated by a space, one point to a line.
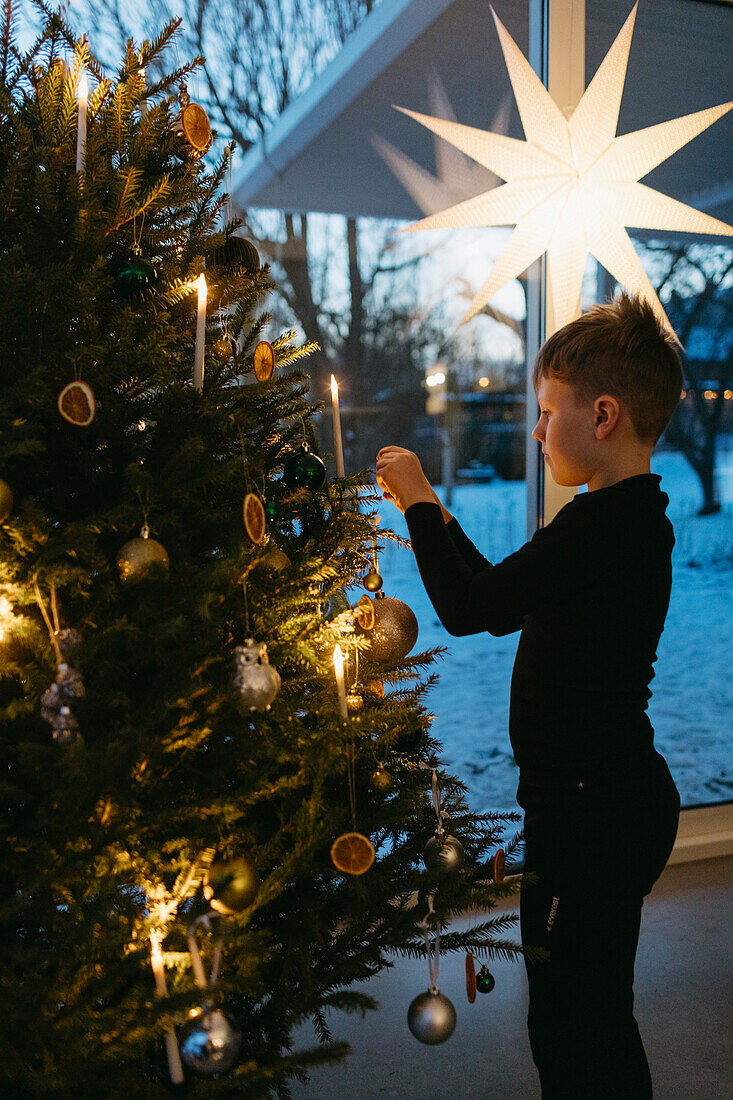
401 479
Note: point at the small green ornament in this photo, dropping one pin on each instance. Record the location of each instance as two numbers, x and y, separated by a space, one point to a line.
134 276
304 470
271 510
6 500
485 980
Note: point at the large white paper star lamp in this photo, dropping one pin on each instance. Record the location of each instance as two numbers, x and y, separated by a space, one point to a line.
572 186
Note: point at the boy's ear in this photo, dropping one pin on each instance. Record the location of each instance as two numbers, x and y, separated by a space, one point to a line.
607 412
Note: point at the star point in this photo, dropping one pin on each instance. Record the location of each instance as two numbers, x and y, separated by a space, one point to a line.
572 187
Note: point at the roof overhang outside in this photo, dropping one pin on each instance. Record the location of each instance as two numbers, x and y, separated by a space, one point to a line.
319 156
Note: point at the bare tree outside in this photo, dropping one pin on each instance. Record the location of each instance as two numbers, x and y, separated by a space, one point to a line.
696 282
343 281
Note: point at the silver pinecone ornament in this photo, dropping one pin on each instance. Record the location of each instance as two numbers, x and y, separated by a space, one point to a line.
256 682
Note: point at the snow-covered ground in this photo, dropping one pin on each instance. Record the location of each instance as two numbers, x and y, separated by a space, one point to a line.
692 705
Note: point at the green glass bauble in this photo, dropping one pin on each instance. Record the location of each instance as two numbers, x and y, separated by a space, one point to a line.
304 470
230 886
6 500
134 276
235 252
485 980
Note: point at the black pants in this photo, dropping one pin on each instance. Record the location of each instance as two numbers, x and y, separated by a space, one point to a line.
597 853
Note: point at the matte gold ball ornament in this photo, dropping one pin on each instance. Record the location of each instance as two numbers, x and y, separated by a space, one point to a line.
142 558
230 886
394 632
6 500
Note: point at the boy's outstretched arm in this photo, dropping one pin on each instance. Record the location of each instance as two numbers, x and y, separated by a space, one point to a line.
420 488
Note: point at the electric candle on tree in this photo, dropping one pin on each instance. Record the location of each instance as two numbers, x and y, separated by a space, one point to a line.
338 445
82 93
338 665
198 363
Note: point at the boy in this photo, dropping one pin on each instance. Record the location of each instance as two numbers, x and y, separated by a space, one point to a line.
589 593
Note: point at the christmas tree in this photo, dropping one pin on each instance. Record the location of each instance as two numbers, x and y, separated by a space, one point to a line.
201 850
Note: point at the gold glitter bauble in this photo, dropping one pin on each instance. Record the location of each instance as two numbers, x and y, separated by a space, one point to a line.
381 780
354 702
142 557
274 560
394 632
223 349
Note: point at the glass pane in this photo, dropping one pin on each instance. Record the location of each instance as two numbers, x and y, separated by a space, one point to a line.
679 63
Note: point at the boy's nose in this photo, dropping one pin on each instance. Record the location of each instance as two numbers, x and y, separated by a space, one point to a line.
535 433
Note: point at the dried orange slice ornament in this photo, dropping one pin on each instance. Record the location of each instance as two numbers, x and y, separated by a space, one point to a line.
264 361
470 978
77 404
364 612
498 864
352 853
254 518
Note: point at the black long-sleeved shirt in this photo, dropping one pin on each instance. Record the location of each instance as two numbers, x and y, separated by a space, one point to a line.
590 593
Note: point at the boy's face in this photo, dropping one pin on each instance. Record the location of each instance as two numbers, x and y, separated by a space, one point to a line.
566 431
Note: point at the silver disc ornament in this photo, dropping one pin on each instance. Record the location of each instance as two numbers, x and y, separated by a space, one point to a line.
210 1042
394 632
444 854
431 1017
255 682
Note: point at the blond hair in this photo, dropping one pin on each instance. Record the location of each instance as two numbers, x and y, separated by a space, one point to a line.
623 349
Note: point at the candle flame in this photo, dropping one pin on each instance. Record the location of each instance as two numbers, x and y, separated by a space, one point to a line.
82 87
338 661
334 387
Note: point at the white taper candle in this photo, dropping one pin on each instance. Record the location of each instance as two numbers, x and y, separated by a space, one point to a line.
338 666
161 990
82 93
338 445
198 363
143 101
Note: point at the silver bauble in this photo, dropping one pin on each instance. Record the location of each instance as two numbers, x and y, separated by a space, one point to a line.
256 682
431 1017
394 632
142 557
210 1042
444 854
